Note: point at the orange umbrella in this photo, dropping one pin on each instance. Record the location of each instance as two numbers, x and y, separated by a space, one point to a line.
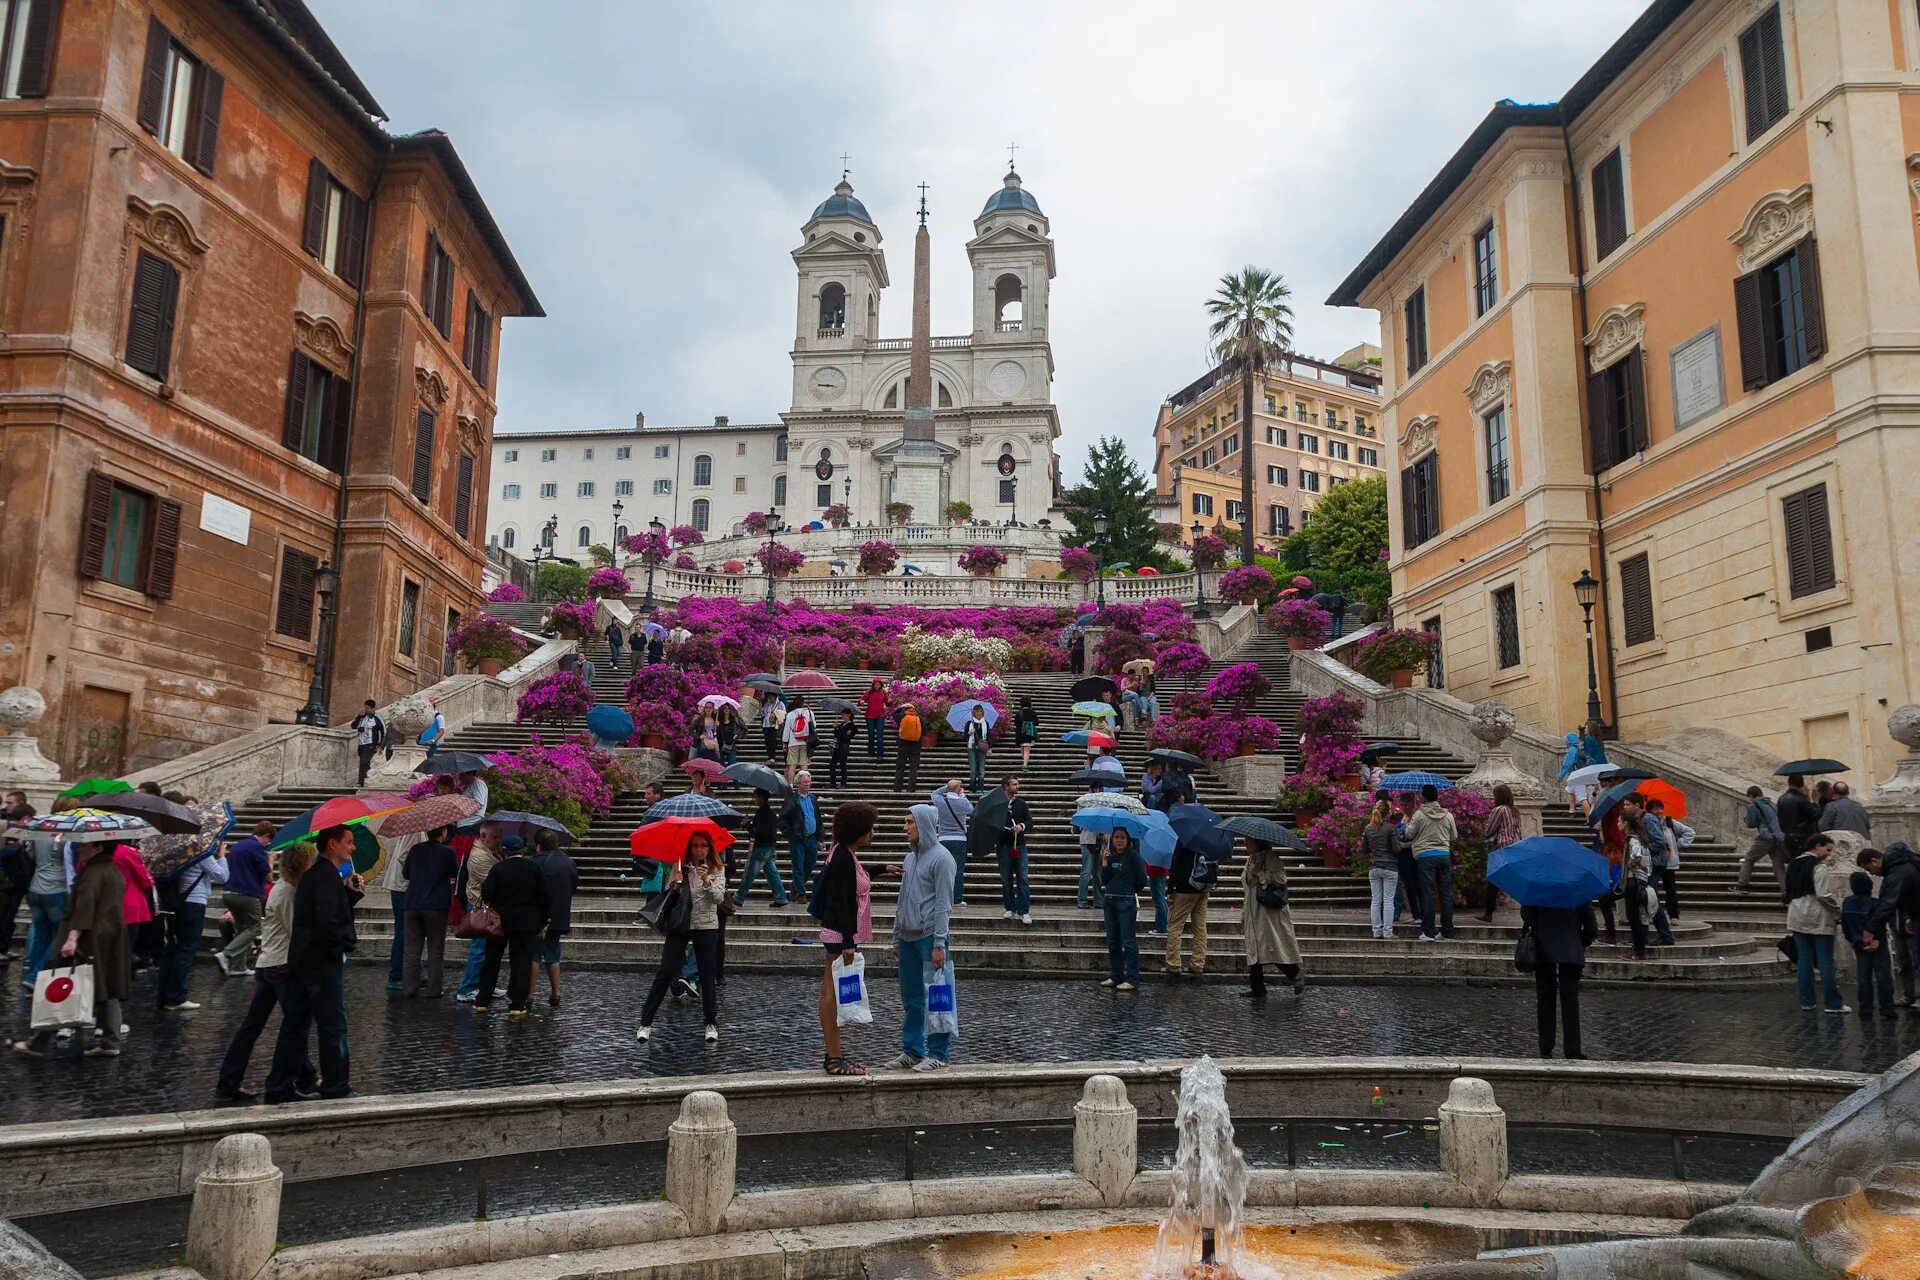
1667 794
666 840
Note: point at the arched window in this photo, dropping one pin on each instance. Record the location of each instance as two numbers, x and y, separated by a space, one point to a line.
547 536
780 449
779 491
945 397
619 534
702 470
586 535
893 397
506 538
702 514
833 310
1008 309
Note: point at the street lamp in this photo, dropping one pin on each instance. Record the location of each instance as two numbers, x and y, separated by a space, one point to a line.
325 583
1100 558
773 523
654 530
614 550
1586 589
1200 609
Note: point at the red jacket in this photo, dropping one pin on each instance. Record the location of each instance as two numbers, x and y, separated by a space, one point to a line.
138 908
875 701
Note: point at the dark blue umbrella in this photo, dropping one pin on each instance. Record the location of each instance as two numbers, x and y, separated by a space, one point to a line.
610 724
1413 780
1199 829
1548 871
512 822
1609 798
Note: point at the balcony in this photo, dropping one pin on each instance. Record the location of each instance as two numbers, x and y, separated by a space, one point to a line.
1009 326
832 331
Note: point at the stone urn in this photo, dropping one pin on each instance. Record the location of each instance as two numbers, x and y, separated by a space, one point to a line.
1493 722
21 708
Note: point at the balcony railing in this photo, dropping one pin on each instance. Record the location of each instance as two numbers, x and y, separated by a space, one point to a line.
832 331
1008 326
956 589
906 344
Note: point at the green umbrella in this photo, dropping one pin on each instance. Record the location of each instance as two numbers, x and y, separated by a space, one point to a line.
93 787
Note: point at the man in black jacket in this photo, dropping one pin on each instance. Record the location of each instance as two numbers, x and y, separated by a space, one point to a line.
1896 916
517 892
1799 815
316 991
1001 821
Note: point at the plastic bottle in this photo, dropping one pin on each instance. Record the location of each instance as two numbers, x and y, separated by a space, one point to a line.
1379 1100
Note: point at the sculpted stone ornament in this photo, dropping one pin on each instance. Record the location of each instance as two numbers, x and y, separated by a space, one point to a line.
1420 437
1895 804
1492 722
21 708
1618 331
1776 220
1490 385
406 720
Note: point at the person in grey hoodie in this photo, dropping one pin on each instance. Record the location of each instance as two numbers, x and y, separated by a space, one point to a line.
920 938
1769 841
1432 833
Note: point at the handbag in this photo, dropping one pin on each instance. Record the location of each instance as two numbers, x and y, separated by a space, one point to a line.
670 911
1526 952
1271 896
63 997
481 922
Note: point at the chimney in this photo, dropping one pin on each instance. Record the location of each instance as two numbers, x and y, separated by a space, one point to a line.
719 419
639 420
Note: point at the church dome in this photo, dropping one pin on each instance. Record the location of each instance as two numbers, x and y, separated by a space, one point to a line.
1011 198
842 204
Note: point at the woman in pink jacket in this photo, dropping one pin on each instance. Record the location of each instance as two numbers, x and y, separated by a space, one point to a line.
139 901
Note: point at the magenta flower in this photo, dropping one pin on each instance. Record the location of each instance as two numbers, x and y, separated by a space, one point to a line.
507 593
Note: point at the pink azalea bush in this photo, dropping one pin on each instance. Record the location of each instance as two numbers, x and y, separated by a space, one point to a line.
756 522
1210 551
933 696
507 593
1242 683
685 560
1384 652
572 782
837 514
1329 751
685 535
1170 532
982 560
575 614
564 695
781 558
485 638
1300 619
1078 563
1212 736
652 546
1182 660
608 582
1247 584
877 557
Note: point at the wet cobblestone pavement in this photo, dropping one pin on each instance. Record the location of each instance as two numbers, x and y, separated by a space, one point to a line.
768 1022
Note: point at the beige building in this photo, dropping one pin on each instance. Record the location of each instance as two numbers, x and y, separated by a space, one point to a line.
1663 330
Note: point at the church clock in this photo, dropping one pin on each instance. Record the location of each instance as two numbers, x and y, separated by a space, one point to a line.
829 384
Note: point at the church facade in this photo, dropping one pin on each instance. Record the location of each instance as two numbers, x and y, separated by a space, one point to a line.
843 441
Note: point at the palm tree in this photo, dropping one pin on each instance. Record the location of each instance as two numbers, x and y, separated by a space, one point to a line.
1252 328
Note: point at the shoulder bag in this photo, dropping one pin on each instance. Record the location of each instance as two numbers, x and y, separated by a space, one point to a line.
1271 896
480 922
671 910
1526 953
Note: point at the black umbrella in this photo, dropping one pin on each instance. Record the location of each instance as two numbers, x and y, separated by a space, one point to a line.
838 704
1104 777
1093 689
163 815
1818 764
1266 831
757 776
1167 755
1629 775
762 675
1199 829
1374 750
454 762
762 682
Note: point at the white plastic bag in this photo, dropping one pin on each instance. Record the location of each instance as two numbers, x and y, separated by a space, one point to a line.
63 997
850 986
942 1017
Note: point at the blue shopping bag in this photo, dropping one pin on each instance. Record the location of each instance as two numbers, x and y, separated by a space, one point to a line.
942 1018
850 984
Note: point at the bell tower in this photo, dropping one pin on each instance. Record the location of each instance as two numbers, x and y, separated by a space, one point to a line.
841 270
1012 257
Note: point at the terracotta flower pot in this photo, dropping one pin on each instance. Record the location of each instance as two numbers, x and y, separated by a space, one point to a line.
1332 859
1247 749
1297 643
1351 781
864 665
490 666
654 741
1403 679
567 632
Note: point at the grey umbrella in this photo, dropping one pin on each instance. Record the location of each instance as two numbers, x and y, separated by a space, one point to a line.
528 826
1168 755
1265 830
838 704
757 776
689 805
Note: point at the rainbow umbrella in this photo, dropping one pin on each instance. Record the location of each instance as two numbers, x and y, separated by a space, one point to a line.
341 811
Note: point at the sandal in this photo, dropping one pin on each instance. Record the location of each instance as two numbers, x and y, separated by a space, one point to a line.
841 1067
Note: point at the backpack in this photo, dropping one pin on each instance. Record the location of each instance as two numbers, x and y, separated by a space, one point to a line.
170 892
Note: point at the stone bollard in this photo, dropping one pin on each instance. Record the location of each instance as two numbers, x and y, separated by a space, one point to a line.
1106 1137
1473 1139
235 1222
702 1146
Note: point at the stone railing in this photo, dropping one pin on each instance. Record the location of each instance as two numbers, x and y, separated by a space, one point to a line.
932 589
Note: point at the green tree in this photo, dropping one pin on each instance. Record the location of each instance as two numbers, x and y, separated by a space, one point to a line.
1115 486
1251 327
560 580
1340 547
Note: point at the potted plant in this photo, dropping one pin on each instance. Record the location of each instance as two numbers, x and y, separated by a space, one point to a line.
1248 584
554 699
1182 660
1242 684
653 546
959 511
1078 563
899 512
658 726
877 557
781 560
755 522
837 515
569 618
486 643
1304 624
1391 656
685 535
507 593
1209 551
982 561
606 584
685 560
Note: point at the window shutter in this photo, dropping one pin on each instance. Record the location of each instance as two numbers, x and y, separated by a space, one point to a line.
153 76
203 136
443 306
1749 312
1813 312
463 496
1636 599
295 427
1636 374
93 524
333 447
1774 52
36 48
423 425
352 261
1793 511
163 551
472 326
1430 473
156 286
1753 82
1609 205
313 235
1818 540
428 290
293 606
1409 516
1599 423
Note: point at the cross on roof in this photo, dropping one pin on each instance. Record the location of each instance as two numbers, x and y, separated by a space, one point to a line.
923 204
1011 148
845 160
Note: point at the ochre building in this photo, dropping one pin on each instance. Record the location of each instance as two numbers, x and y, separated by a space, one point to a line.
1664 330
245 333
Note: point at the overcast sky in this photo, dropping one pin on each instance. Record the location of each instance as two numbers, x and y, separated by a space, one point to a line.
652 163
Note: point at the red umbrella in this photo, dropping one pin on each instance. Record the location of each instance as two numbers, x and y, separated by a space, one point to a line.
734 566
1667 794
809 679
425 815
704 766
1148 571
666 840
1095 739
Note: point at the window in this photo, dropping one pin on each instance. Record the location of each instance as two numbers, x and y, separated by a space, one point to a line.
1763 73
740 449
549 490
663 486
463 495
1230 446
1301 413
585 535
586 454
1506 627
180 99
446 656
623 488
1339 449
1332 417
739 484
1420 501
1307 443
660 451
1809 542
424 421
318 404
409 616
702 471
823 496
1609 205
1360 423
549 536
1273 405
1782 321
1486 271
779 448
506 539
26 46
1499 457
623 453
702 510
436 287
547 455
1235 512
1277 435
1278 524
1310 481
1277 475
1436 668
1203 504
1415 314
1369 457
1209 456
1007 489
1334 482
1617 410
584 489
509 493
293 602
336 227
129 537
150 317
476 347
1636 599
779 491
512 455
619 534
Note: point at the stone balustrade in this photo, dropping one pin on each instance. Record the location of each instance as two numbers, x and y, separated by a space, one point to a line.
844 591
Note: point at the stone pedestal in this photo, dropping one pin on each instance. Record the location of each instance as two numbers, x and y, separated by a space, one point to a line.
702 1146
1255 775
235 1222
22 766
1473 1139
1106 1137
406 720
1894 805
1492 723
647 763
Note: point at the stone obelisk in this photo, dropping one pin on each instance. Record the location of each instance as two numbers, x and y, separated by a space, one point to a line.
918 467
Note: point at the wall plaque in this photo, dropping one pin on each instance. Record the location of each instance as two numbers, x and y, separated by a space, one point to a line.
1698 388
225 519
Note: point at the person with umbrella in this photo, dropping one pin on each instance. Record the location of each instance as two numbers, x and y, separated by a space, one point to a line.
1799 816
1503 829
843 904
920 920
1123 877
1266 917
517 892
1561 936
763 833
773 720
800 823
703 874
874 703
562 878
1189 880
370 734
1844 813
92 929
321 938
837 764
656 641
976 731
428 870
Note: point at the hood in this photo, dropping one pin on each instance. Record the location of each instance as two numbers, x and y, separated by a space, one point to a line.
1432 807
927 820
1897 852
1861 883
1573 739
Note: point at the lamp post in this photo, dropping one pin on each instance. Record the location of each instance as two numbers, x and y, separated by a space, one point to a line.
1200 609
654 530
1100 559
614 549
773 523
1586 589
325 583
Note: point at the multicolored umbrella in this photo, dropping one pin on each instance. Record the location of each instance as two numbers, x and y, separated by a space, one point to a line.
166 854
1088 738
1096 710
1415 779
87 826
667 839
429 814
810 679
348 811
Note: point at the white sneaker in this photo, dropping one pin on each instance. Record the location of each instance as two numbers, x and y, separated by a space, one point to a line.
183 1007
643 1034
713 1034
124 1028
1006 915
1845 1008
903 1061
465 997
220 958
929 1064
1026 919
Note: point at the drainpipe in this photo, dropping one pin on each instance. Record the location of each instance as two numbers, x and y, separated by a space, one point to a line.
1599 529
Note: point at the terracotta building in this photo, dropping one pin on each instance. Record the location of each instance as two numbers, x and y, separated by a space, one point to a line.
1661 331
1316 426
248 342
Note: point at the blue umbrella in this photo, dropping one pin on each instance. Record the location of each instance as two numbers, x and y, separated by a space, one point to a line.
1151 829
1198 828
528 825
1609 798
610 724
653 631
1548 871
961 712
912 569
1414 780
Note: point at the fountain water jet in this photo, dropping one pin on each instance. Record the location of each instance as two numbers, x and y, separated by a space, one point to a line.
1200 1236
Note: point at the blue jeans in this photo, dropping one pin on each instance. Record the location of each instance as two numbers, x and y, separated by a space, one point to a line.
1015 896
1436 882
915 956
1874 967
877 738
1089 883
1123 944
266 996
801 854
44 911
766 858
476 957
957 846
176 961
977 771
1812 949
396 954
1157 886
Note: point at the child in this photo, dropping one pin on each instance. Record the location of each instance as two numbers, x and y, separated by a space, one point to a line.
1871 960
1122 879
